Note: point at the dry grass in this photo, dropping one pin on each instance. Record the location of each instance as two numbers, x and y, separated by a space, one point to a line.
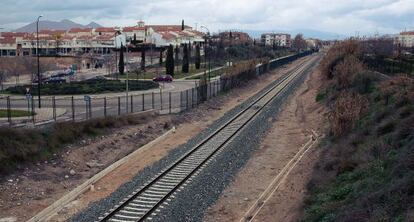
18 145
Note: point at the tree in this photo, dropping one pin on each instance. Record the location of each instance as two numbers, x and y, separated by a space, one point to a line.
169 62
177 54
121 66
143 59
185 67
299 43
135 38
198 57
182 25
161 54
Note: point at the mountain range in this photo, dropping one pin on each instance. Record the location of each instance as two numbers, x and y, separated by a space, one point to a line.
65 24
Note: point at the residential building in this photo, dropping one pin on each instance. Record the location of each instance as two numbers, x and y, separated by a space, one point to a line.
94 41
234 37
406 39
276 39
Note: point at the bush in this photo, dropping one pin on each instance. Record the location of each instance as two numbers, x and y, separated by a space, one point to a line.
85 87
18 145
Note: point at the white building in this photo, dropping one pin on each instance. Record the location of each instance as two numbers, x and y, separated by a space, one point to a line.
277 39
406 39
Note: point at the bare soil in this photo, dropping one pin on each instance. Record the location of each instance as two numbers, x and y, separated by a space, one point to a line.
35 187
289 132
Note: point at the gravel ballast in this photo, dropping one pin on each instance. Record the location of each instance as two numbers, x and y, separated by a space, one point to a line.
205 189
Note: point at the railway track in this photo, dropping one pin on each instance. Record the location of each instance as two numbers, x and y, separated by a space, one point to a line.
148 200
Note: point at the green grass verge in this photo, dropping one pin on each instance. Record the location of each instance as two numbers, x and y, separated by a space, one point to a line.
15 113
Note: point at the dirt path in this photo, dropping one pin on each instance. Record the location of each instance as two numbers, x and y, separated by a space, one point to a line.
30 190
290 131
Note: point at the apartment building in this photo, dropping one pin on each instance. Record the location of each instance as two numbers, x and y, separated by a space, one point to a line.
276 39
406 39
94 41
235 37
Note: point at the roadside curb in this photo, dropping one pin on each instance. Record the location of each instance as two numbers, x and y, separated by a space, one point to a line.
58 205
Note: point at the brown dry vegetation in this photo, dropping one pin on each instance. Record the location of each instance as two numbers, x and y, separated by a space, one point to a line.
19 145
366 170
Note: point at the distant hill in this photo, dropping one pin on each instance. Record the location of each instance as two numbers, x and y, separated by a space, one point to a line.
93 25
65 24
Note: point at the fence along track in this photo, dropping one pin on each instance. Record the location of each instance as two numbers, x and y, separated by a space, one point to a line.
145 202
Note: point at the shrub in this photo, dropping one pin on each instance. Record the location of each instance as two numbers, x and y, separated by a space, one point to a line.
347 109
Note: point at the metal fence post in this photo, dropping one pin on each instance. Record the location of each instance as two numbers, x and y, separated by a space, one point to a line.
54 108
9 111
132 103
152 99
169 101
161 99
90 108
33 111
119 106
143 102
73 109
186 99
28 109
105 106
192 97
86 109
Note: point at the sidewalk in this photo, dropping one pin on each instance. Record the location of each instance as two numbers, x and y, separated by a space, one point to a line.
200 73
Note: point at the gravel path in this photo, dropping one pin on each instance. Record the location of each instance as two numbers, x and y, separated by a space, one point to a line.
205 189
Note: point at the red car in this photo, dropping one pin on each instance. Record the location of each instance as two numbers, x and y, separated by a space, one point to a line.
163 78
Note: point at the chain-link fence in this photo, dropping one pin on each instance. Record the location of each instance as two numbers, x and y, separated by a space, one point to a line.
22 111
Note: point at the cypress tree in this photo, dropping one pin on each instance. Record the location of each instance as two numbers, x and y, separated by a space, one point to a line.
182 25
198 57
185 67
135 38
169 62
161 52
177 54
143 59
121 65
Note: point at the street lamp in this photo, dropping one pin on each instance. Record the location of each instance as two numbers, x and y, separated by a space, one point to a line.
205 51
39 82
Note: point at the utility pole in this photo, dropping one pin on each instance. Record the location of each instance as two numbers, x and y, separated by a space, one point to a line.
205 52
39 80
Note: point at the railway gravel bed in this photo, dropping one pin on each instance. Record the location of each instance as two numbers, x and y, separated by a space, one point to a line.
205 189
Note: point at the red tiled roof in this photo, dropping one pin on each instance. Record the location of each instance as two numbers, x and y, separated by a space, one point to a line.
105 29
14 34
407 33
84 37
7 40
133 28
167 35
77 30
160 28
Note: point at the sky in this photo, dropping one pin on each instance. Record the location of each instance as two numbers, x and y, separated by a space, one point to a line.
342 17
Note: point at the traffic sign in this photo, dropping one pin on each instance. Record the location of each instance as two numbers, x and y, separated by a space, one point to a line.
87 98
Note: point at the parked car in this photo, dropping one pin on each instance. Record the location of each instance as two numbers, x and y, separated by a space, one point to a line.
55 80
163 78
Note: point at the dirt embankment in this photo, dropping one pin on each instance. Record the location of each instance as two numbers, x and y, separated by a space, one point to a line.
27 192
290 131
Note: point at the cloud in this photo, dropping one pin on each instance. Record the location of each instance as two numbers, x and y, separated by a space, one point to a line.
339 16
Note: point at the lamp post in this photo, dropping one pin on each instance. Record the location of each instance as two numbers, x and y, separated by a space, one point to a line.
205 51
39 81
